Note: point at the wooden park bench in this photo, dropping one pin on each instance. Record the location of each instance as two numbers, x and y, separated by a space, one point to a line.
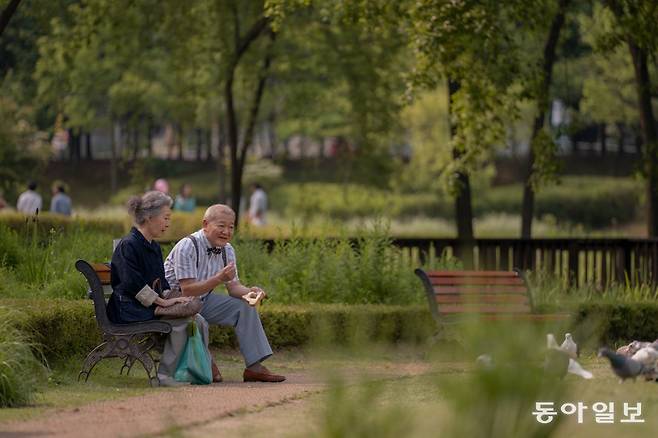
490 295
131 342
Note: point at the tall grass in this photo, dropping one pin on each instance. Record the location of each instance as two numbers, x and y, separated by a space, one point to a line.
20 370
550 291
36 266
496 400
301 270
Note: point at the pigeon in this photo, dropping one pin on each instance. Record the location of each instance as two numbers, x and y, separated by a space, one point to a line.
551 342
632 348
575 368
558 361
569 346
485 362
623 367
647 356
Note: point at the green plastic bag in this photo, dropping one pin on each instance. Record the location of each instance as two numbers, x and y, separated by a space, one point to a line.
194 363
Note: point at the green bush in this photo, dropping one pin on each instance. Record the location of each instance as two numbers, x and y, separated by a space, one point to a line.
66 328
20 370
333 271
590 201
46 222
45 268
345 201
616 323
10 246
297 271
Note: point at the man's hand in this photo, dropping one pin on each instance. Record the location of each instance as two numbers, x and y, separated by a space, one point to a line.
254 296
258 290
227 273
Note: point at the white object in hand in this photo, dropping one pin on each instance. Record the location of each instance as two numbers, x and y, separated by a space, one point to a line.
253 298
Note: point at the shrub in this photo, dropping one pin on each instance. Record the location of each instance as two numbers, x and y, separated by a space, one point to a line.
590 201
333 270
20 370
62 224
616 323
9 246
67 327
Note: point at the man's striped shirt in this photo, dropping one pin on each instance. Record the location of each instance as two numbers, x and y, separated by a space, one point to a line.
181 263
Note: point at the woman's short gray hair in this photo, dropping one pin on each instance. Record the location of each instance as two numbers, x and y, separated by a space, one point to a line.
149 205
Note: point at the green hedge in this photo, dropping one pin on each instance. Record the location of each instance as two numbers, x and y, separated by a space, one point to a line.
615 324
47 221
65 327
590 201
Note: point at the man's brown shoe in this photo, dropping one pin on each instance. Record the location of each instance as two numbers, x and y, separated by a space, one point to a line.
266 376
216 375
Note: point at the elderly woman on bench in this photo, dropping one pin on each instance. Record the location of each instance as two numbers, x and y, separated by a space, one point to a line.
136 266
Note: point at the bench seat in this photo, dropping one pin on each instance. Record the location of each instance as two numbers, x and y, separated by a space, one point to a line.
489 295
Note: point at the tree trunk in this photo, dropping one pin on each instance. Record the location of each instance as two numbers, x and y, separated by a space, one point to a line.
179 136
271 134
199 144
116 134
74 145
7 13
241 46
209 146
528 204
221 162
622 131
135 142
463 209
650 137
602 139
89 154
149 138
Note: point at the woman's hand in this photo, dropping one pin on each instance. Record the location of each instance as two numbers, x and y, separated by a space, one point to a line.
172 301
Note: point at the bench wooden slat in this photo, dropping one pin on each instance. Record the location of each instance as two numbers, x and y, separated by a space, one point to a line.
454 308
438 281
103 272
472 274
486 299
473 289
489 295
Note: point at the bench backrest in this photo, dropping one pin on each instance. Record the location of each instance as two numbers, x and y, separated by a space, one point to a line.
485 292
97 275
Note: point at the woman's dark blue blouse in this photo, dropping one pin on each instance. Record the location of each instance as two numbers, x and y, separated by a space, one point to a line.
136 262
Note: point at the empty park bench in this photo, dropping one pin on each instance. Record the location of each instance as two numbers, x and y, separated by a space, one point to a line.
131 342
490 295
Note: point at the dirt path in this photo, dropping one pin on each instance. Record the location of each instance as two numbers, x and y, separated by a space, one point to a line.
191 409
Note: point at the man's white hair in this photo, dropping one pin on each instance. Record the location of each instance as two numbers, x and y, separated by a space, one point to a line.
215 211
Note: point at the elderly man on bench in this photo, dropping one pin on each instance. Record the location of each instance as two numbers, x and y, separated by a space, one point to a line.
202 261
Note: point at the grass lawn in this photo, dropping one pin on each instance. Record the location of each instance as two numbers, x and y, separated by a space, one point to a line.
419 404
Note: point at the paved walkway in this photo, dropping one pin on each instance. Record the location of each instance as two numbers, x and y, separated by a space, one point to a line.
194 409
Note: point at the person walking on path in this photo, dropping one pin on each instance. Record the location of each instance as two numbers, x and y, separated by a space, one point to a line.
29 202
185 201
257 205
61 202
